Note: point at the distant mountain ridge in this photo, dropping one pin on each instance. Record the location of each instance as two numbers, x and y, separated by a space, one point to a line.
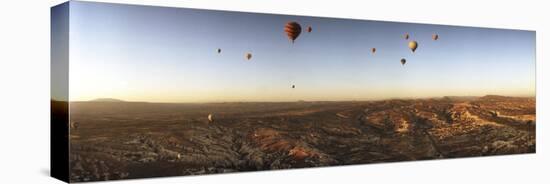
461 97
500 98
107 100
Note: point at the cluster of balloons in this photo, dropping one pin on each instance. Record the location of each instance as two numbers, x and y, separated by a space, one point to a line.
413 45
294 29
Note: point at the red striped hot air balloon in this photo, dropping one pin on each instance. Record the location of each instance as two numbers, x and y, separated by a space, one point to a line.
293 30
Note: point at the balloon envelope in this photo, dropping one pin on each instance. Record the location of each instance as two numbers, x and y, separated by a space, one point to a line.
413 45
210 118
248 56
435 36
403 61
292 30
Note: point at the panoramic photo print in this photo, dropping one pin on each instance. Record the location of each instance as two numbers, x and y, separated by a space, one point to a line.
160 91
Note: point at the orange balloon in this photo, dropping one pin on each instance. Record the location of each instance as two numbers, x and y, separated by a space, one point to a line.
413 45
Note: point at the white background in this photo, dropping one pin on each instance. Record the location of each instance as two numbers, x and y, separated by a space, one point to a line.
24 90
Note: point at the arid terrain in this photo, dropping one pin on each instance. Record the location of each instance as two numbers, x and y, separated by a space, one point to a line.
115 140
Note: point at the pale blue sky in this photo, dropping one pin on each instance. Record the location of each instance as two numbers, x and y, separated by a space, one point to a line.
159 54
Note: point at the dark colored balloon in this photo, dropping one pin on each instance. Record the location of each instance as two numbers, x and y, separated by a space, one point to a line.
293 30
219 51
435 37
309 29
403 61
373 50
248 56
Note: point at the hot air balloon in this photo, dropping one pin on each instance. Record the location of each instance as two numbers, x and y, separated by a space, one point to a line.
248 56
373 50
309 29
403 61
413 45
219 50
406 36
293 30
435 37
73 125
293 86
210 118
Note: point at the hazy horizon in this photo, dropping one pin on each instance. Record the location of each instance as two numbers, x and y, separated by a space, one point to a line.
159 54
206 102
